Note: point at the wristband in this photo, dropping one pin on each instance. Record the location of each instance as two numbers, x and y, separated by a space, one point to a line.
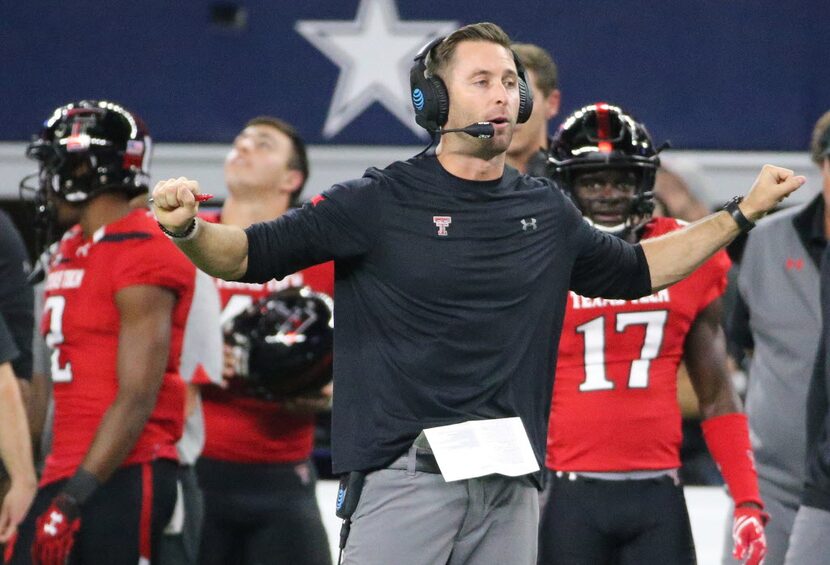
727 438
81 486
744 223
186 234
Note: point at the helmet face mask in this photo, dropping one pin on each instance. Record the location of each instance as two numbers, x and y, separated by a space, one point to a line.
84 149
612 156
282 344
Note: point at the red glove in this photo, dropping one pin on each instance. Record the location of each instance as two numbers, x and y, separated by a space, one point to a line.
748 534
55 531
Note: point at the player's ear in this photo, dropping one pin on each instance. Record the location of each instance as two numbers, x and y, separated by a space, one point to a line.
292 181
552 103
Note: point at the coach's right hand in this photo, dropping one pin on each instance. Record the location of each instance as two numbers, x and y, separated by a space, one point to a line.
174 203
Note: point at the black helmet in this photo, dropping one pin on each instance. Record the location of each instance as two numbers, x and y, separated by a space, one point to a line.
601 137
85 148
282 343
90 146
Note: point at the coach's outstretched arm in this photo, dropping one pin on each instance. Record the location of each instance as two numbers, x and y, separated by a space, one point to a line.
674 256
217 249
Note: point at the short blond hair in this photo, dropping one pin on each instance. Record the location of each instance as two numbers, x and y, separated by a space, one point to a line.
820 142
541 64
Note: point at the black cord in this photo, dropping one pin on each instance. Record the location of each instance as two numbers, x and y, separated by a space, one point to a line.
433 138
344 535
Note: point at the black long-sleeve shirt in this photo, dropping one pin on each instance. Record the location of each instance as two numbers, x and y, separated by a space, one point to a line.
16 296
817 484
450 296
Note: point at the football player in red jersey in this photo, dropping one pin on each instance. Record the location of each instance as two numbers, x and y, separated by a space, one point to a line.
258 481
614 434
116 302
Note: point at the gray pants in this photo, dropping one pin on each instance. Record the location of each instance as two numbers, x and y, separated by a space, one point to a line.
415 518
777 530
809 542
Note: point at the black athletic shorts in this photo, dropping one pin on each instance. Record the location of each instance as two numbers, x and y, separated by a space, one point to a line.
261 513
600 522
122 520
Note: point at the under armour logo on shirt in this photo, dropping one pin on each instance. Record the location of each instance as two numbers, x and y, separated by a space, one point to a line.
442 222
528 224
796 264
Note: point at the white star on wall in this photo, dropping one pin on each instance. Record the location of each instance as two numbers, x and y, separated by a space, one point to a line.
374 53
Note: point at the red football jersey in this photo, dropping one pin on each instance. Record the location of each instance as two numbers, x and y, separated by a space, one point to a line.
244 429
614 402
81 324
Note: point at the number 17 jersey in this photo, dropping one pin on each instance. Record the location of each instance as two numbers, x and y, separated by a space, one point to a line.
614 404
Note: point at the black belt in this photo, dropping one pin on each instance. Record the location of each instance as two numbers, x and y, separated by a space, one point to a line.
424 463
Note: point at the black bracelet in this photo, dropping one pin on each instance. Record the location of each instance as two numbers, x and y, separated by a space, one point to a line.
744 223
81 486
182 234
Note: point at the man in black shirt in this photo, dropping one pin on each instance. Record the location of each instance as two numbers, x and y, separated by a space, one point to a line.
451 279
16 306
16 295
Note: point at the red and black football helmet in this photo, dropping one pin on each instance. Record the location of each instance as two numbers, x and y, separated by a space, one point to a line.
602 137
83 149
282 344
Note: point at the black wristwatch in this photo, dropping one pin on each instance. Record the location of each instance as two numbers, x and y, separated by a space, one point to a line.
744 223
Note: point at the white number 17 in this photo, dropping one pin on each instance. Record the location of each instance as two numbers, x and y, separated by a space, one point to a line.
594 334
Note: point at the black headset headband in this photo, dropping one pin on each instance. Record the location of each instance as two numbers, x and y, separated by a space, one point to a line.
431 99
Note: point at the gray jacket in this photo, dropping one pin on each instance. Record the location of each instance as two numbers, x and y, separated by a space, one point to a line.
778 287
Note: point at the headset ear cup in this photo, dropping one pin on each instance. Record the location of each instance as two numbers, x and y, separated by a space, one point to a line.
423 98
525 91
525 101
429 94
442 100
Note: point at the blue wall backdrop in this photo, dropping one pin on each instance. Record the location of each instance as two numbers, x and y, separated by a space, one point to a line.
708 74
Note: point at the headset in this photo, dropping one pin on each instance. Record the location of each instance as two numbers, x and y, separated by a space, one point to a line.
432 101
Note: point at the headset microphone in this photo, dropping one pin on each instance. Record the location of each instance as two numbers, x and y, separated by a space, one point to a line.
481 130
